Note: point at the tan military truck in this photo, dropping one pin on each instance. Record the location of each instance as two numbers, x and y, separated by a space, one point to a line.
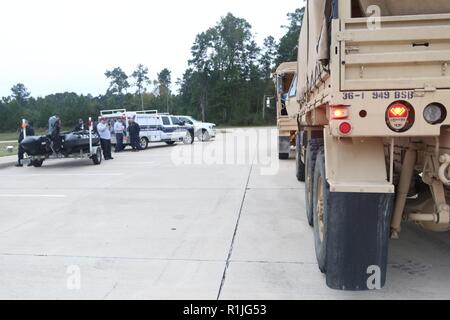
374 129
287 107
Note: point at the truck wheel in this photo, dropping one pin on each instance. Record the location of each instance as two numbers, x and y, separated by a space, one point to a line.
320 197
351 232
144 143
300 166
37 163
170 143
311 153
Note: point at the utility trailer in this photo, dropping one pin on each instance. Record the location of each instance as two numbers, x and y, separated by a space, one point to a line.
373 129
75 145
285 78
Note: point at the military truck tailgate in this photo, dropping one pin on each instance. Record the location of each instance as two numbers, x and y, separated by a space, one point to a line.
406 52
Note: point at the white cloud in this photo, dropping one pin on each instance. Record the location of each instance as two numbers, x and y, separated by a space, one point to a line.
66 45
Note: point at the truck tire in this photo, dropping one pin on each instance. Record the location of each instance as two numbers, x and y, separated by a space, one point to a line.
170 143
321 195
313 148
299 165
351 232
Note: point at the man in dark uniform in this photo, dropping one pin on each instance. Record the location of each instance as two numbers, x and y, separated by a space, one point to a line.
134 129
25 128
54 131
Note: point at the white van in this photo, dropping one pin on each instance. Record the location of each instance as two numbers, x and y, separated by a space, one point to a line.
155 127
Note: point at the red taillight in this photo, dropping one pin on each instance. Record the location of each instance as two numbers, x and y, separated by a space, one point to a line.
400 116
398 110
339 112
345 128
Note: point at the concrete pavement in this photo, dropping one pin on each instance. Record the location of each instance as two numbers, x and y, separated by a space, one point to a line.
141 227
7 161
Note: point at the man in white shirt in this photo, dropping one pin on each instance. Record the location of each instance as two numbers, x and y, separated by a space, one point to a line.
119 129
105 138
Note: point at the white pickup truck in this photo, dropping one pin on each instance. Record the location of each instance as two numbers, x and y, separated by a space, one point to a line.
203 131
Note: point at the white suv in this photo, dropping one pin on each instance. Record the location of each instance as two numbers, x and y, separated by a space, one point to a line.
202 130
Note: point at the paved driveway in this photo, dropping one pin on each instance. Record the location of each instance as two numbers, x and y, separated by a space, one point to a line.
161 224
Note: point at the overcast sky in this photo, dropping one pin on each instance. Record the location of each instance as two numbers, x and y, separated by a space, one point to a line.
67 45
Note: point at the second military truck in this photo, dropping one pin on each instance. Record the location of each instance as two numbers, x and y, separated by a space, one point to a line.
287 106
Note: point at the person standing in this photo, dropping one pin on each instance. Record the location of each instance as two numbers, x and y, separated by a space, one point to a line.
119 129
81 126
54 130
29 131
135 130
105 138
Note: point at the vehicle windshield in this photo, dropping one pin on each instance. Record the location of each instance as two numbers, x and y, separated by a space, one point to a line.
192 119
293 89
186 120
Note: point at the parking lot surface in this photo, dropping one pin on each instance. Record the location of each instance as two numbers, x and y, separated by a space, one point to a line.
148 226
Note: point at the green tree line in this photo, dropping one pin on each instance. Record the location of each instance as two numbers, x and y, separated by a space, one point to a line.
226 82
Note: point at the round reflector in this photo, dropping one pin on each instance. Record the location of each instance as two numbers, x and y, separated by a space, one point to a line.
345 128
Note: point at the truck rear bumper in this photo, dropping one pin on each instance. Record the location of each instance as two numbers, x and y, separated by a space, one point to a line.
368 111
287 124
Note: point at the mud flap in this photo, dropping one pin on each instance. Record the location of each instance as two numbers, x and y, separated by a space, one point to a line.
299 164
284 145
358 238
